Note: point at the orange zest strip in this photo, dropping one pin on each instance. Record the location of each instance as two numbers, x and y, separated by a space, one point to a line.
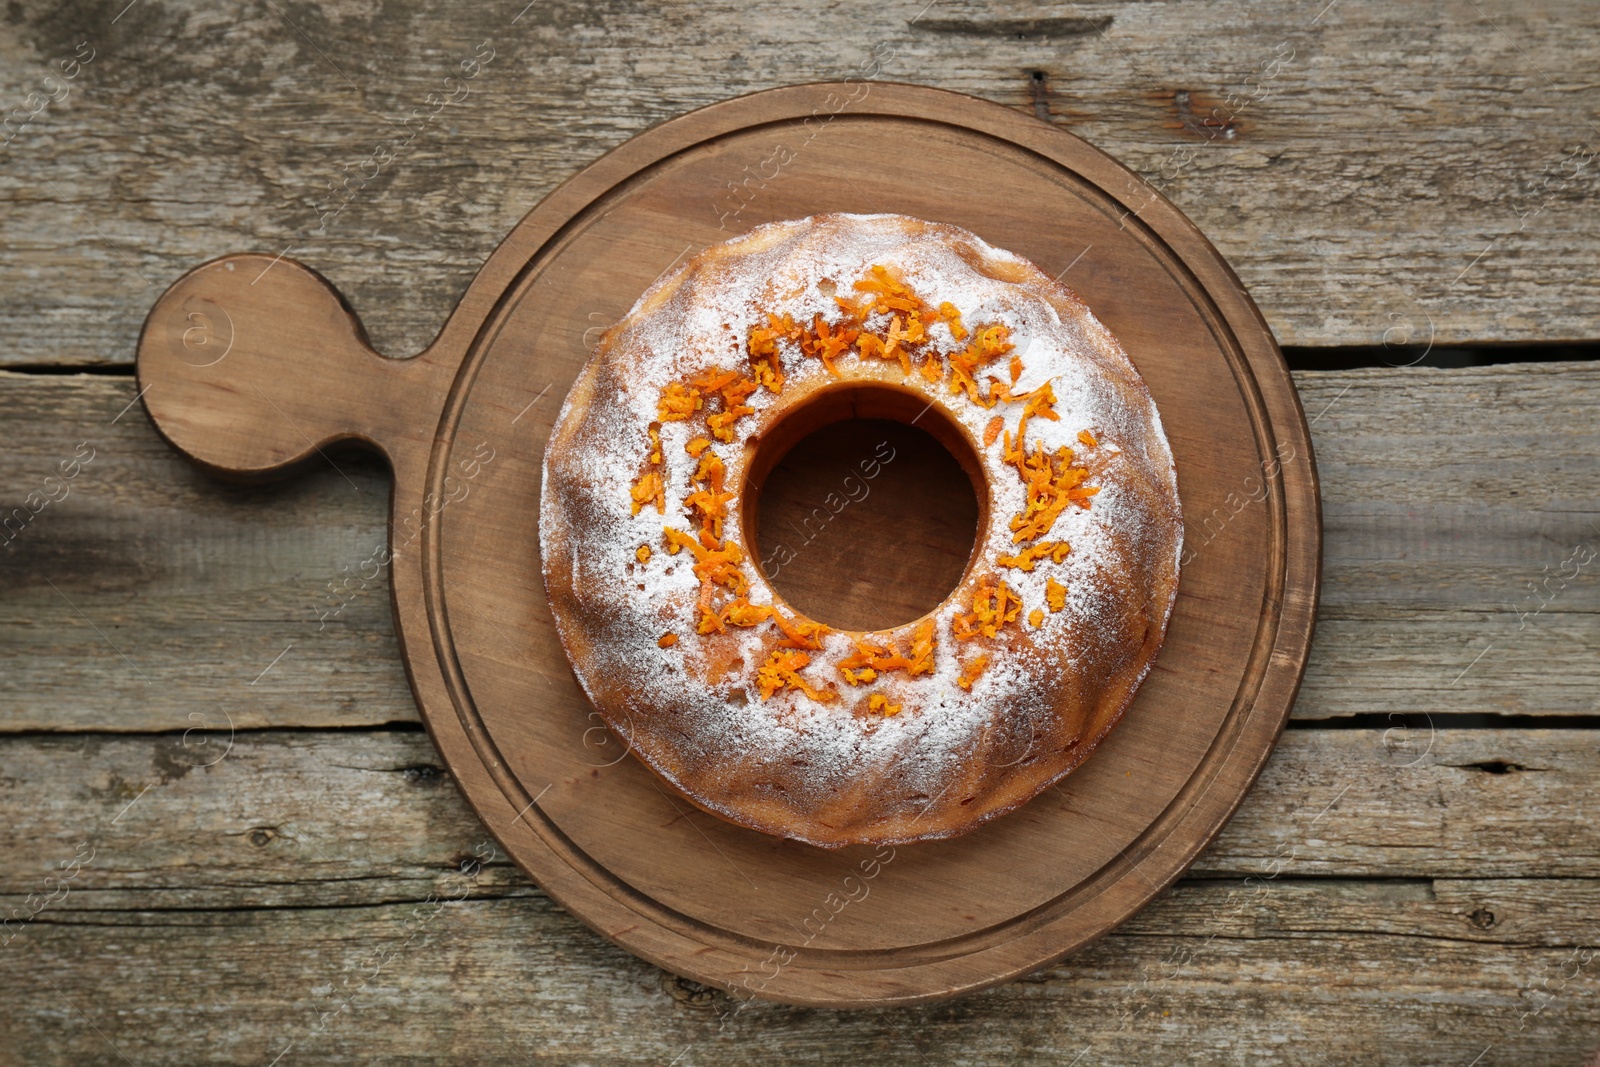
1055 551
763 349
737 391
715 565
909 316
1087 438
710 470
743 613
642 554
952 317
667 641
1055 594
871 659
710 498
799 633
738 612
677 539
922 647
713 508
721 424
992 431
678 402
649 490
782 670
734 389
898 337
1041 401
887 292
972 670
1053 482
989 345
720 566
714 379
880 704
865 676
827 343
993 605
1036 618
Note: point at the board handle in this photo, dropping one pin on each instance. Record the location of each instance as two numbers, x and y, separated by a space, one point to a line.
251 365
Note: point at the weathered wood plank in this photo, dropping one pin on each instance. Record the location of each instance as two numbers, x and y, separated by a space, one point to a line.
1373 175
1284 975
151 592
313 818
150 585
224 908
1461 559
1392 918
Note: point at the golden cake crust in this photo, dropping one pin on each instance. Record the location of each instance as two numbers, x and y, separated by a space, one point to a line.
764 717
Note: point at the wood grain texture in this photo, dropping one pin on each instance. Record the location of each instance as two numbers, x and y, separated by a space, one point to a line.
302 873
1354 195
287 819
1447 492
1310 972
252 366
1351 163
116 606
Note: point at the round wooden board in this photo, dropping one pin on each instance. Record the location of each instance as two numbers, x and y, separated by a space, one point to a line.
464 426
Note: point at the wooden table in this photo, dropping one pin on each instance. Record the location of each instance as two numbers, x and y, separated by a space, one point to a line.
206 724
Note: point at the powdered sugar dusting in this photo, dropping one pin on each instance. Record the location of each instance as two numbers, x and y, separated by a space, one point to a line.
692 708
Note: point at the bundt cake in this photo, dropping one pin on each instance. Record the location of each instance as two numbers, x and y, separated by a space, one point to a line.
776 721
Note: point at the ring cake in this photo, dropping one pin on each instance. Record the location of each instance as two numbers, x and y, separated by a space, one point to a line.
773 720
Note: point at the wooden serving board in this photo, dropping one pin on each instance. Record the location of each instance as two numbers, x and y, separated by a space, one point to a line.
252 366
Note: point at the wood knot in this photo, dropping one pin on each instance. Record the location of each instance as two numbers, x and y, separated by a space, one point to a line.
262 836
688 993
1483 918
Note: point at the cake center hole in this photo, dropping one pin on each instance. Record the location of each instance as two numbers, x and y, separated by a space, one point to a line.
868 523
